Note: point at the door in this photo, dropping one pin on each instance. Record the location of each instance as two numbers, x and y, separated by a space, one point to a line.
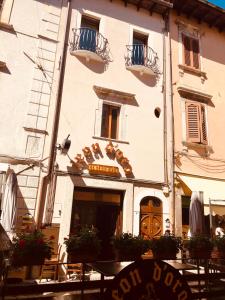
100 208
151 217
88 33
139 48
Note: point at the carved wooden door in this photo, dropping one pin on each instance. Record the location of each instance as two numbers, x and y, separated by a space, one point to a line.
151 217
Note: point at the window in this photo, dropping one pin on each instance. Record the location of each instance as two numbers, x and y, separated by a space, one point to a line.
110 121
191 51
139 48
196 122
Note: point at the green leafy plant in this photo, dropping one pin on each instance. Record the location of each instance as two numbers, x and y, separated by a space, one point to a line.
167 246
85 241
128 244
200 246
30 246
200 242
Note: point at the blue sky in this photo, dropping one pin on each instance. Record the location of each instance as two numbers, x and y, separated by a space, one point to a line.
220 3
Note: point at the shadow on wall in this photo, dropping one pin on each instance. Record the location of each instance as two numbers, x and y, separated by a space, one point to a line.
146 79
94 66
5 70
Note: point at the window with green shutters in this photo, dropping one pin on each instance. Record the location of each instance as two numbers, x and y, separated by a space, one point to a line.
191 51
196 122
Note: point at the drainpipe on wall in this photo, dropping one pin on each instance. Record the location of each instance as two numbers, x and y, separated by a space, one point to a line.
165 105
168 184
46 182
172 162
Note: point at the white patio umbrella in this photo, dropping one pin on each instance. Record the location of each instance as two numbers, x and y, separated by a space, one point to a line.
9 203
196 214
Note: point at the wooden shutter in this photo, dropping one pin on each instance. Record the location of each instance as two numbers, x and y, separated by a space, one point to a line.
105 121
195 51
193 122
187 50
203 126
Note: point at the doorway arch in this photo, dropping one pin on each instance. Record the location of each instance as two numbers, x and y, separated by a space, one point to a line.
151 217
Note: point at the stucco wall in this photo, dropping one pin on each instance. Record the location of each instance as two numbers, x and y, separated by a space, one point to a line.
209 162
80 104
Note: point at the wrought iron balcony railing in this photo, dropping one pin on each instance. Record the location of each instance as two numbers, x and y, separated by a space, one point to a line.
89 42
141 58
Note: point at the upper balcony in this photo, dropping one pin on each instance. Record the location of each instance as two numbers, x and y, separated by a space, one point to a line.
90 44
142 59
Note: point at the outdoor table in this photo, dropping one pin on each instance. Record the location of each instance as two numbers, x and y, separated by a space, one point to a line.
108 268
180 265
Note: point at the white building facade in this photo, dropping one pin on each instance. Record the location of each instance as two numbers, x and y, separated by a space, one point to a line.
114 106
99 72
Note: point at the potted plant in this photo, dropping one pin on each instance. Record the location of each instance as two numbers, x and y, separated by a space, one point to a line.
218 247
200 246
30 249
83 246
166 247
129 247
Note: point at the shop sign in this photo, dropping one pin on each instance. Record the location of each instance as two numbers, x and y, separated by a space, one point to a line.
148 280
95 169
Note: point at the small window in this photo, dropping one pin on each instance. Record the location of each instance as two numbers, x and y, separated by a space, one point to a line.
196 122
110 121
191 52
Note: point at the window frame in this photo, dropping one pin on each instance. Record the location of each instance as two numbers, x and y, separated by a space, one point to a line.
193 53
198 134
111 107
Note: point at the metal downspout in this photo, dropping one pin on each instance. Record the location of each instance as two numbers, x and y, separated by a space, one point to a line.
47 179
165 106
172 164
169 185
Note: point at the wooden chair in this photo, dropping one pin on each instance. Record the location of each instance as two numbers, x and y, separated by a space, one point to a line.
50 269
74 271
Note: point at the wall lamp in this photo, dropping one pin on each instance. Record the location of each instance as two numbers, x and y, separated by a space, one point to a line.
64 146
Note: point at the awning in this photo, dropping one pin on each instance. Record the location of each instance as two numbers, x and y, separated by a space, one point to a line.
212 189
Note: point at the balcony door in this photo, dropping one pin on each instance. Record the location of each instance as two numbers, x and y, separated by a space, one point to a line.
88 33
151 217
139 49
